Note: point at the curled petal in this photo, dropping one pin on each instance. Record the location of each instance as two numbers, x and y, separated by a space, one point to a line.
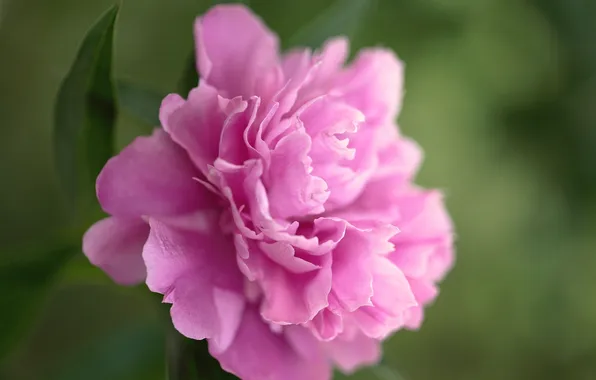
115 245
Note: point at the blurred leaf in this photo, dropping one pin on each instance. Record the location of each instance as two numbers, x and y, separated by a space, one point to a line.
85 112
26 274
142 103
190 77
189 359
132 352
343 17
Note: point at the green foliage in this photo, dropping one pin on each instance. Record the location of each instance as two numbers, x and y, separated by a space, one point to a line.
85 113
190 360
26 274
142 103
190 77
126 353
343 18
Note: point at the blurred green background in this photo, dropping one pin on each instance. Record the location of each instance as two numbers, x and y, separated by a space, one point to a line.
500 93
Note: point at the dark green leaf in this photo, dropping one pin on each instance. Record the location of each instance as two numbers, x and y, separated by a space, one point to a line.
342 18
189 78
26 273
189 359
142 103
132 352
85 112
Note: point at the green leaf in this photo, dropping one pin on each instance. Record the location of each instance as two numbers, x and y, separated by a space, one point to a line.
85 112
189 359
130 352
26 273
190 77
343 18
140 102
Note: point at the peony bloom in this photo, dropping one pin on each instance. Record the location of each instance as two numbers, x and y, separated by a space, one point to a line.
275 208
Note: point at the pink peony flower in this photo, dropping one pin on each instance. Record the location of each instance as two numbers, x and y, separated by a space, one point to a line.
275 210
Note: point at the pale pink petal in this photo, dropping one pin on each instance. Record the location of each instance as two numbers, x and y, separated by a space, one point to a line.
151 176
392 297
353 352
115 245
425 293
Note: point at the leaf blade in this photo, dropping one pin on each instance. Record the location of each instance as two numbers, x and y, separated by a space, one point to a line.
343 17
142 103
28 274
85 111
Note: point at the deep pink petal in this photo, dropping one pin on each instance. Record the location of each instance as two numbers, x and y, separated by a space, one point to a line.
197 274
373 84
151 176
292 189
258 353
115 245
236 53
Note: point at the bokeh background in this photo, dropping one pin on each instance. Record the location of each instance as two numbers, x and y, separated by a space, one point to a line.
500 93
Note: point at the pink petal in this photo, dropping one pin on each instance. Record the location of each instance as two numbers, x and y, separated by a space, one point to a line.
352 270
115 245
151 176
373 84
292 189
236 53
257 353
391 299
328 323
197 274
194 124
294 298
350 353
425 293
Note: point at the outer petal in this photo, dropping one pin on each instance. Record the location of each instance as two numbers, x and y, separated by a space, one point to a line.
198 275
373 84
236 53
115 245
425 293
151 176
392 298
351 352
257 353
